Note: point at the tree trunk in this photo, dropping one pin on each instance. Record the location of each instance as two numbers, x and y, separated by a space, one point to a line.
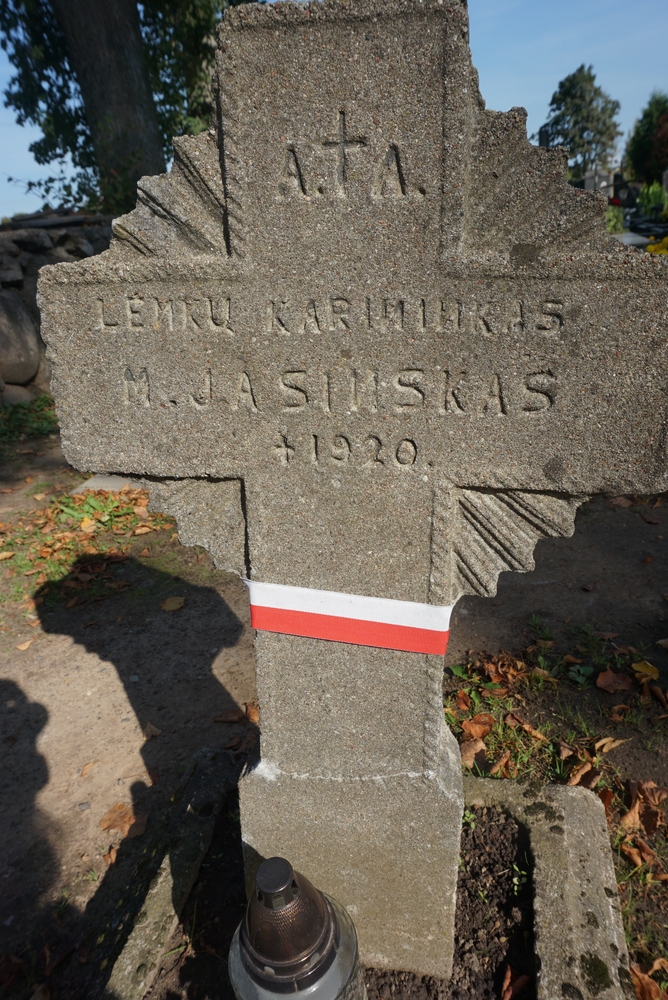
104 47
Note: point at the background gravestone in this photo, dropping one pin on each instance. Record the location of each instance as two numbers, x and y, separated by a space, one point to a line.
363 338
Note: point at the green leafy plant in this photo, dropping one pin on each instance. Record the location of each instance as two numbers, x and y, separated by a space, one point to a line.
653 196
580 673
614 219
519 879
469 818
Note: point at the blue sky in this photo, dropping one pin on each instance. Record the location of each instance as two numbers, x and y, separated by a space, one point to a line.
522 48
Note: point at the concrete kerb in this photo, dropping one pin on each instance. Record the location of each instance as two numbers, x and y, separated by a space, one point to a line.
181 849
580 945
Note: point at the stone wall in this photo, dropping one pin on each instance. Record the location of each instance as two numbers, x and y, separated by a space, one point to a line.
27 243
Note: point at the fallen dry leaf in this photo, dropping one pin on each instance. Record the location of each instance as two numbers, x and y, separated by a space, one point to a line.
659 695
605 795
473 752
252 711
590 779
608 743
463 701
24 645
565 751
633 854
110 857
249 740
513 720
479 726
42 992
649 518
644 670
618 712
611 682
579 772
663 643
53 959
651 793
6 555
589 586
647 560
646 988
646 851
173 603
234 743
631 820
150 730
497 692
11 968
606 635
650 819
87 525
501 763
659 964
143 530
572 659
145 553
28 479
230 715
512 985
124 819
38 496
87 767
621 502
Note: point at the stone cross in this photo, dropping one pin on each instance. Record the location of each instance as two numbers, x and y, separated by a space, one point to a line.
363 339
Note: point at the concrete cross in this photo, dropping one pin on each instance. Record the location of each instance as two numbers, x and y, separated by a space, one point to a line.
367 399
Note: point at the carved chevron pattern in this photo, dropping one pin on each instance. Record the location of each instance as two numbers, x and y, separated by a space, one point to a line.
184 209
478 534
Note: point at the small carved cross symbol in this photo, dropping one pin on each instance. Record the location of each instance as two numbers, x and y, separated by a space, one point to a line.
341 145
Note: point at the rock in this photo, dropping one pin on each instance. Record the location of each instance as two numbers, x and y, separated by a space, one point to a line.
32 240
13 394
11 272
19 343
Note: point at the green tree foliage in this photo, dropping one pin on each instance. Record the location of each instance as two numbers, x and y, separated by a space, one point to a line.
44 92
179 38
180 45
583 117
647 148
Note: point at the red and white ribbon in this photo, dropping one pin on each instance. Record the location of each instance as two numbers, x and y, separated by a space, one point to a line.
362 621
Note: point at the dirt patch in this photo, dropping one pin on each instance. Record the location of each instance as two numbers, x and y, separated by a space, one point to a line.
494 920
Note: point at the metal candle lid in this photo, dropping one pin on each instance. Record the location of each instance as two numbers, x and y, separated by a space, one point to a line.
290 934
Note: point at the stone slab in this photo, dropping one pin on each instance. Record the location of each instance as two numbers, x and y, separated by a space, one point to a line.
114 484
183 849
580 941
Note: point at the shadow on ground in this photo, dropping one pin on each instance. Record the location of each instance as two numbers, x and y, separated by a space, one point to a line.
164 661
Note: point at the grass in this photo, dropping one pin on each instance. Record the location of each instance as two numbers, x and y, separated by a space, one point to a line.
562 716
89 533
28 420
